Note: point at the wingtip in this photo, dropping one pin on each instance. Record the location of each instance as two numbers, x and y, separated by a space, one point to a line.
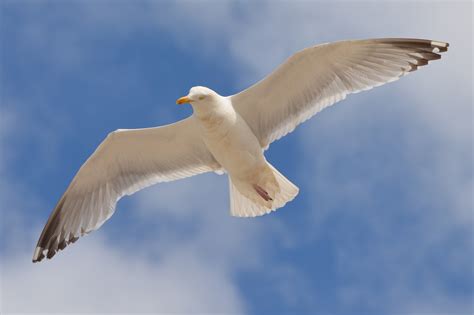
38 254
49 252
439 44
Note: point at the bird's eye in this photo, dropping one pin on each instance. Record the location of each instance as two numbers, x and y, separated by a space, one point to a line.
201 97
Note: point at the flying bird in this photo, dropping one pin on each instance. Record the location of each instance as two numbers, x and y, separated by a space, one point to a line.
229 134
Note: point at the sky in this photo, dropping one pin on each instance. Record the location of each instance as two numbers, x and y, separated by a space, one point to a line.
383 223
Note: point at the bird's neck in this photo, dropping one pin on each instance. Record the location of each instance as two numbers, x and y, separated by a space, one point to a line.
218 107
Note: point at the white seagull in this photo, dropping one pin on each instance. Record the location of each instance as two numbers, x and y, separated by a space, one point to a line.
229 134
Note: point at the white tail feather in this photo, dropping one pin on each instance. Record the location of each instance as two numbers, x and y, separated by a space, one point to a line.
242 206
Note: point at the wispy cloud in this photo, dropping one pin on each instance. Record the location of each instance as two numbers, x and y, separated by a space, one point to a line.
100 277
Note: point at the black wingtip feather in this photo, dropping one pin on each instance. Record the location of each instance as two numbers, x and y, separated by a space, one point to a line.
53 250
39 255
62 245
50 241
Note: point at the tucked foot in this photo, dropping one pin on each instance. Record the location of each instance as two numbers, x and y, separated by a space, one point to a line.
262 192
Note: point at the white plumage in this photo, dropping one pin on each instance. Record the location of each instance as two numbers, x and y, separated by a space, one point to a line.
229 134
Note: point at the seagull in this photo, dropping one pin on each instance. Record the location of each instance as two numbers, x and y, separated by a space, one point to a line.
229 134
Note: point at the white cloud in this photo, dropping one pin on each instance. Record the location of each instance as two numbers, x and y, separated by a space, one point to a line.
99 277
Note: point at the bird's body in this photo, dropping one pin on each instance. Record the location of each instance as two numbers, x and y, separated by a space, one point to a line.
238 151
229 134
229 138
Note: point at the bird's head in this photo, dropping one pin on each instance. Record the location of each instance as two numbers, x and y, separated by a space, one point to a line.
198 97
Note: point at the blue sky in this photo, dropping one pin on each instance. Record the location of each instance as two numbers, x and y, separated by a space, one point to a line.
384 219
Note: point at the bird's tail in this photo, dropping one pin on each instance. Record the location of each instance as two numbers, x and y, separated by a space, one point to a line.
272 191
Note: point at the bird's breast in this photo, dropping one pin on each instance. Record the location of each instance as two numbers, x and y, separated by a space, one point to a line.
232 143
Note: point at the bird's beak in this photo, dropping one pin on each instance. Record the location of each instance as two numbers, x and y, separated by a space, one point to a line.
183 100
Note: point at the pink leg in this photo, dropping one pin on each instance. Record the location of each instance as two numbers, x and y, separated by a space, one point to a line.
262 192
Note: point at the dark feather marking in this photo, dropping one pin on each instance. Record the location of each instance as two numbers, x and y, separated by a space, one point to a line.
62 244
48 239
422 62
51 226
50 253
262 192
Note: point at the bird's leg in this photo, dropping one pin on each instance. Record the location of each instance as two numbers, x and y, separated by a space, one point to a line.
262 192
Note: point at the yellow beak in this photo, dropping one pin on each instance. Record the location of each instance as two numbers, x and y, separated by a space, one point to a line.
183 100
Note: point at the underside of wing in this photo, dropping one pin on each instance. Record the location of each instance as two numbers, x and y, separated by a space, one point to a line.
125 162
320 76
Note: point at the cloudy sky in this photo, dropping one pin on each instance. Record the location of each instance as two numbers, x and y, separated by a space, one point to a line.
384 220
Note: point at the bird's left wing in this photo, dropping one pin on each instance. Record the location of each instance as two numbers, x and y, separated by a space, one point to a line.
320 76
125 162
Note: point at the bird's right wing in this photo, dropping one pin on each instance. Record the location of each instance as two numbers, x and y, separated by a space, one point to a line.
125 162
320 76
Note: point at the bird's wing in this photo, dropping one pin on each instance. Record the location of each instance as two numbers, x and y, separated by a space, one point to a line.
320 76
125 162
